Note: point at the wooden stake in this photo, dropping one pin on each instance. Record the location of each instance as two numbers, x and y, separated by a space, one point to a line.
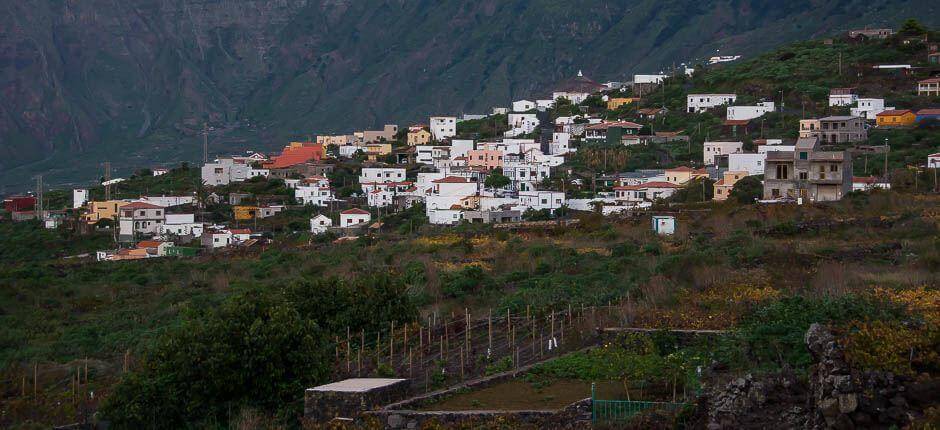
391 345
359 362
489 323
461 363
411 368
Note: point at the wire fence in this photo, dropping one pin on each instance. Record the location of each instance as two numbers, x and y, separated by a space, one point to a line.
440 352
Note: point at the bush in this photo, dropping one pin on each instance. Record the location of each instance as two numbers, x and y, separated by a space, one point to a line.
747 189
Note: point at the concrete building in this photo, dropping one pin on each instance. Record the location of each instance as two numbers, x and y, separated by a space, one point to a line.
808 173
841 129
722 188
753 164
79 197
664 225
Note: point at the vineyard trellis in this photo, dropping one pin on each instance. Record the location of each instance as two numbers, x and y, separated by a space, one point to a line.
439 351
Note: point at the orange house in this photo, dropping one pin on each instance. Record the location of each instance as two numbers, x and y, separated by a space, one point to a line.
896 118
488 159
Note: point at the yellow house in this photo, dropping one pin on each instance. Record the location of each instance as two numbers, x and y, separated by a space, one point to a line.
682 174
419 136
102 210
726 184
615 103
243 213
896 118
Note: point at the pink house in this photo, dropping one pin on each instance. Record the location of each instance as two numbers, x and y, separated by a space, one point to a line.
486 158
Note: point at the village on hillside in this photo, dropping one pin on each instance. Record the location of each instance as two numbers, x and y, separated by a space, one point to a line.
531 161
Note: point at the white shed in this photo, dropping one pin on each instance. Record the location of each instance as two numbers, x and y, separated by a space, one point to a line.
664 225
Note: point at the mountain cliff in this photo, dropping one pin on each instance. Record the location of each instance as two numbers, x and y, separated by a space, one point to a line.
134 81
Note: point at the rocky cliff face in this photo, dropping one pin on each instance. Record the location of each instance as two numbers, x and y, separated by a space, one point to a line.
835 396
133 80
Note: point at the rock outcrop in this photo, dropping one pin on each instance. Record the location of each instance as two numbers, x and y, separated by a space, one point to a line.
834 396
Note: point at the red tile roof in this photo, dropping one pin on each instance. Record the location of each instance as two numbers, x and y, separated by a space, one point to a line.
737 121
294 156
896 112
354 211
929 81
240 231
149 244
929 112
452 180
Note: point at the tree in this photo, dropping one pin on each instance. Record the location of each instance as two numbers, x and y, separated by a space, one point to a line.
912 27
496 179
747 189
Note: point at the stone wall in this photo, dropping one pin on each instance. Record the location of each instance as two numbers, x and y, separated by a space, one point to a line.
323 406
574 416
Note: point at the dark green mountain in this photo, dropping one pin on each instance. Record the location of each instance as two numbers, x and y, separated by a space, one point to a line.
133 81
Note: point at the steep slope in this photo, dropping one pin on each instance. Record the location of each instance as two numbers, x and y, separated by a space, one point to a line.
134 81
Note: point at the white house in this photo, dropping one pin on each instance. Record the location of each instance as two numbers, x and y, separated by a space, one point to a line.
543 199
713 150
560 144
140 218
648 79
428 154
443 127
523 105
381 174
868 183
524 174
544 104
842 97
696 103
180 225
521 123
79 197
753 164
216 238
664 224
313 194
168 201
354 216
320 224
348 150
869 108
646 192
445 216
736 113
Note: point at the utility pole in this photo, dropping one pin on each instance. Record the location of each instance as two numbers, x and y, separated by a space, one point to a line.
886 160
107 180
205 143
39 197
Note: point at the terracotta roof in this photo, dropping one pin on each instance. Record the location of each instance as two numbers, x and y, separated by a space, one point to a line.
141 205
737 121
681 169
149 244
929 81
929 112
240 231
294 156
896 112
650 111
354 211
452 180
865 179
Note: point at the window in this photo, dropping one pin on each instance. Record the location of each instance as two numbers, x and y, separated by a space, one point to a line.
833 167
782 171
803 155
803 176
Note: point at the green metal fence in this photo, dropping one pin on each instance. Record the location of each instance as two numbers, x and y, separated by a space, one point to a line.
611 411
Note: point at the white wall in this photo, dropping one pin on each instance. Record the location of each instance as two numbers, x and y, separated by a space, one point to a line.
443 127
702 102
753 164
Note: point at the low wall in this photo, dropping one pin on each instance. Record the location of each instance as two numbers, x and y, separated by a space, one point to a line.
575 415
